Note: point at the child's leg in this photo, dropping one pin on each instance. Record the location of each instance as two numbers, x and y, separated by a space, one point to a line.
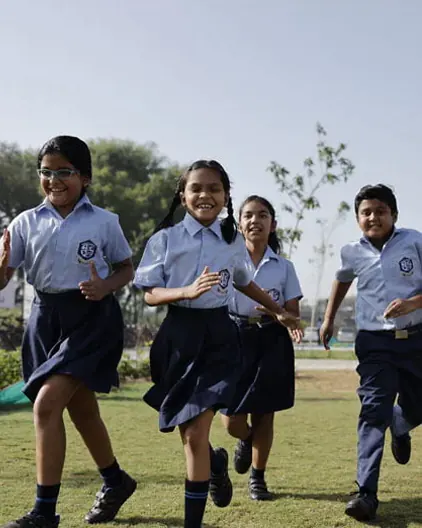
237 426
263 434
195 438
118 485
262 440
50 439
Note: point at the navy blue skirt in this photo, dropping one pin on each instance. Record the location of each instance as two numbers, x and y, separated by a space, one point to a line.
195 364
267 382
66 334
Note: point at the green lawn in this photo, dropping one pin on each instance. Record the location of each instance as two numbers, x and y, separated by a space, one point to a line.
312 468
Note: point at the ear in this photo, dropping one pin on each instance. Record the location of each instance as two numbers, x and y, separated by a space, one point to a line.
182 199
273 226
86 182
226 199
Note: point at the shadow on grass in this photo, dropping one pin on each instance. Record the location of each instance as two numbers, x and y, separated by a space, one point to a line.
318 399
170 522
9 409
395 513
121 397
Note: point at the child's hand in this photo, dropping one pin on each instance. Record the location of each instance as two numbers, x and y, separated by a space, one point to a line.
5 251
95 288
284 318
296 335
326 333
399 307
202 284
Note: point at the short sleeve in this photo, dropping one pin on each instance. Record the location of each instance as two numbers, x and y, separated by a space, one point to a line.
346 272
117 247
242 275
292 289
150 272
17 242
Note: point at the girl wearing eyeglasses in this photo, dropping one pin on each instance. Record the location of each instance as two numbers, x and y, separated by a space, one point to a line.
75 255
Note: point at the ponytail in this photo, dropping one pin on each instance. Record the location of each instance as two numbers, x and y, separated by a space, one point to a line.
168 219
229 225
274 242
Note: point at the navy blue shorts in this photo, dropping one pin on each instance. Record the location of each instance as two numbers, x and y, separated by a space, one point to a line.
267 382
66 334
195 364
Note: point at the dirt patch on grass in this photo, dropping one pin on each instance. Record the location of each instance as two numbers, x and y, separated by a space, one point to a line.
327 381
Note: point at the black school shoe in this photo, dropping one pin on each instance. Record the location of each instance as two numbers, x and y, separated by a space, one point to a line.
243 455
108 501
221 489
32 520
401 447
258 490
364 506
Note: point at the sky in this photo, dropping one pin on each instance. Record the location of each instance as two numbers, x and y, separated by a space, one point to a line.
240 81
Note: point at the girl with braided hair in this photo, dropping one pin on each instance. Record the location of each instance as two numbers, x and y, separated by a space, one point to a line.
193 267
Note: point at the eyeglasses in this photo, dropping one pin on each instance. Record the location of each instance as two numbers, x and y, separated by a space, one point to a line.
61 174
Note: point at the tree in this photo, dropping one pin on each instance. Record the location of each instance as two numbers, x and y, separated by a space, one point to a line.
324 250
19 187
302 189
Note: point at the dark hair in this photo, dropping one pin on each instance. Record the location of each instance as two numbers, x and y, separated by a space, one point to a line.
377 192
273 240
228 224
73 149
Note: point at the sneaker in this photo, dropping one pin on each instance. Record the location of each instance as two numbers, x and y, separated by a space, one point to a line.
258 490
108 501
363 507
243 456
221 489
401 448
32 520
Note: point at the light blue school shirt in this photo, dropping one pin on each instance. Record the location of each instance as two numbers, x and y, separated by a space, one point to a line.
274 274
174 257
383 276
55 252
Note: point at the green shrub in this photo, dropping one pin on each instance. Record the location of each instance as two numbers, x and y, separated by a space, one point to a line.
10 368
130 369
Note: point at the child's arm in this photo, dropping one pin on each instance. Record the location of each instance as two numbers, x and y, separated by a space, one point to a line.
97 288
6 272
338 293
400 307
157 296
253 291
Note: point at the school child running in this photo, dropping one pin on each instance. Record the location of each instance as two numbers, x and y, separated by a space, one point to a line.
74 338
195 357
387 262
267 383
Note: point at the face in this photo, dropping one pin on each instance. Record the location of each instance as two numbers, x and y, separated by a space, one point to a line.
375 219
256 222
204 196
62 193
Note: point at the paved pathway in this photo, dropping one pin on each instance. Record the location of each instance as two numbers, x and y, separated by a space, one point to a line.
326 364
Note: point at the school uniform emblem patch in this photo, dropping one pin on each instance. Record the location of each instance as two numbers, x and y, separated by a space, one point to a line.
406 265
274 294
87 250
224 278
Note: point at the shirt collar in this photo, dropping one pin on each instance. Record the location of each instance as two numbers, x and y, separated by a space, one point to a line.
46 204
269 254
193 227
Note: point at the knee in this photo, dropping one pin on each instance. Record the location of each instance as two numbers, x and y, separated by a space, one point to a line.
195 438
82 416
376 414
47 409
236 427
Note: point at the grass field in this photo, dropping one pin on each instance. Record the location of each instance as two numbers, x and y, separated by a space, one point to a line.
311 471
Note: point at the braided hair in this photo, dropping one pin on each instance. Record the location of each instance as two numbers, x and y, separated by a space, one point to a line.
273 240
228 224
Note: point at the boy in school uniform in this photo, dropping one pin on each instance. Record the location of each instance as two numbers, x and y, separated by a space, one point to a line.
387 262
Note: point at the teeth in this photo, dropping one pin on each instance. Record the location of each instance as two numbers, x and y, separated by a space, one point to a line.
204 206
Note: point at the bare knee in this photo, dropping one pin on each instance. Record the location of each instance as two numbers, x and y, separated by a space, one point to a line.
195 437
47 409
236 426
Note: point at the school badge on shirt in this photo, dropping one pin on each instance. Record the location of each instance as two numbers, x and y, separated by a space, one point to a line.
224 280
274 294
86 251
406 266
